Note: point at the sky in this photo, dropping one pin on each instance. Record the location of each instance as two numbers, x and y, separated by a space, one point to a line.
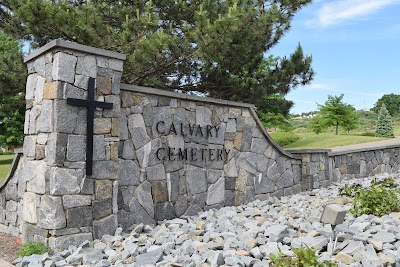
355 46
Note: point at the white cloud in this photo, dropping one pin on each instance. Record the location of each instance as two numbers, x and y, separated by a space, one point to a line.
339 11
321 86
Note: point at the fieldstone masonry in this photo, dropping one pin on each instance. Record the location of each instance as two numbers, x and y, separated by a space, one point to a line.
57 202
157 154
321 166
182 154
361 163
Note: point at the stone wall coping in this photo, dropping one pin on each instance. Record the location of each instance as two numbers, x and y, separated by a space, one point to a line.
273 143
309 151
73 46
154 91
13 168
251 107
338 153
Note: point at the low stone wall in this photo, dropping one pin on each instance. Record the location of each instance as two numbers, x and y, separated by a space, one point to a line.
366 162
181 154
11 196
315 168
320 167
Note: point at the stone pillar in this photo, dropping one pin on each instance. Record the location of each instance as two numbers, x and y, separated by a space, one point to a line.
61 204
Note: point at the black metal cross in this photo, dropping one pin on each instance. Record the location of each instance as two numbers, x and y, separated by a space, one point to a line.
91 105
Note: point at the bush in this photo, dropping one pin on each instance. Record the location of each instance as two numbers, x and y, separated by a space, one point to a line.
31 248
367 133
305 256
377 200
284 138
6 152
349 190
387 182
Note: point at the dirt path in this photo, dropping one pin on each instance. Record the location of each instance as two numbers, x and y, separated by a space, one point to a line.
393 141
8 247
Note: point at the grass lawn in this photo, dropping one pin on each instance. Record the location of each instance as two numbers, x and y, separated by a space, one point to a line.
327 140
5 164
396 129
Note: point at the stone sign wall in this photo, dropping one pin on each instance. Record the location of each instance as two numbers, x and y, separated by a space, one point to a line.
55 202
156 154
182 154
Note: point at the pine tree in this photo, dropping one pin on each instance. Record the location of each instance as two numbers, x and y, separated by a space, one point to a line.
384 126
217 48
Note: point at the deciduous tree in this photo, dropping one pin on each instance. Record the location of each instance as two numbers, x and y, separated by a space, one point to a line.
336 113
317 124
351 121
392 103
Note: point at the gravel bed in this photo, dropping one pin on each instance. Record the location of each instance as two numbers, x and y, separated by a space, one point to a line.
243 236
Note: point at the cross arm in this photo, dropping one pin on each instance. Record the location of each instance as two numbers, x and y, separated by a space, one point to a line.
104 105
77 102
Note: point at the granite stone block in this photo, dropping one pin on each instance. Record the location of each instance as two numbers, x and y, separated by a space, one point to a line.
64 67
64 242
29 212
103 190
79 217
86 65
73 201
144 194
129 173
64 181
51 213
196 180
159 191
76 148
102 208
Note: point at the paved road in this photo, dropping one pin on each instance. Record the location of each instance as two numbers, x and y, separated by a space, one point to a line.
393 141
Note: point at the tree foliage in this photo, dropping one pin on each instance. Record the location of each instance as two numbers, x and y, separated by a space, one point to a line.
336 113
213 47
367 119
12 86
384 126
392 103
12 121
276 120
317 124
12 69
351 121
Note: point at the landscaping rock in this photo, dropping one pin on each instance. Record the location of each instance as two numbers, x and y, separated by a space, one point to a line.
231 236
